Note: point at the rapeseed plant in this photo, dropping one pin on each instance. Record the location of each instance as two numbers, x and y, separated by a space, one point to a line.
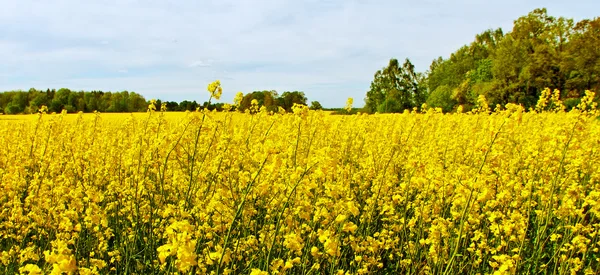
486 192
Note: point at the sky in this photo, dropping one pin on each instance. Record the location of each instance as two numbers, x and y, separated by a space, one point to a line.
171 50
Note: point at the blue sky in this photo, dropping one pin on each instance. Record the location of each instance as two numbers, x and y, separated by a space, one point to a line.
171 50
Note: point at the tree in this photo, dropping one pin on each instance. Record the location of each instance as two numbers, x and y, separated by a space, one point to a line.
188 105
396 88
539 52
12 109
582 58
288 99
377 92
136 103
17 104
315 105
37 101
531 58
172 106
468 71
60 99
414 84
442 97
72 101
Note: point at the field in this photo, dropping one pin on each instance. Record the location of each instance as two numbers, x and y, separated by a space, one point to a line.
300 193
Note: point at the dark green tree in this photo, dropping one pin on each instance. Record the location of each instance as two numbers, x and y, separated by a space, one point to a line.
287 99
442 97
315 105
396 88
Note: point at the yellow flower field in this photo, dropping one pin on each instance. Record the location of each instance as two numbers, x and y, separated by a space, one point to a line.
303 193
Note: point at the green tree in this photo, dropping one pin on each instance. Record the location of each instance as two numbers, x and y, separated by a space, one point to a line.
442 97
287 99
532 57
137 103
315 105
582 58
37 102
172 106
18 103
395 88
188 105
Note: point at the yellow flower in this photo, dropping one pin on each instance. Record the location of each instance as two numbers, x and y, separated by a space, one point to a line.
349 227
314 251
293 242
215 89
30 269
256 271
152 105
238 99
340 218
300 110
349 102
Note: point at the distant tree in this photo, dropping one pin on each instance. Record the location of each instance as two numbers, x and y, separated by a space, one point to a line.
267 98
270 100
442 98
582 58
287 99
391 105
315 105
115 102
188 105
172 106
395 88
12 109
126 101
17 104
61 98
246 101
37 101
137 103
157 104
79 101
540 51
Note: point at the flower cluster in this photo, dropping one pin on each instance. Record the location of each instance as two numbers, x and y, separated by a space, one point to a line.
215 89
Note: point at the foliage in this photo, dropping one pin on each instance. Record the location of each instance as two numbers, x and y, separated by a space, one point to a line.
72 101
442 97
16 102
399 85
315 105
271 100
288 99
540 52
571 103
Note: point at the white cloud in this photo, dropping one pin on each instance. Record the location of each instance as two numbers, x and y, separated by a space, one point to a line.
262 44
199 63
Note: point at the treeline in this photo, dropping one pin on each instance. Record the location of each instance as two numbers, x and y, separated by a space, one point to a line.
27 102
16 102
540 52
272 100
